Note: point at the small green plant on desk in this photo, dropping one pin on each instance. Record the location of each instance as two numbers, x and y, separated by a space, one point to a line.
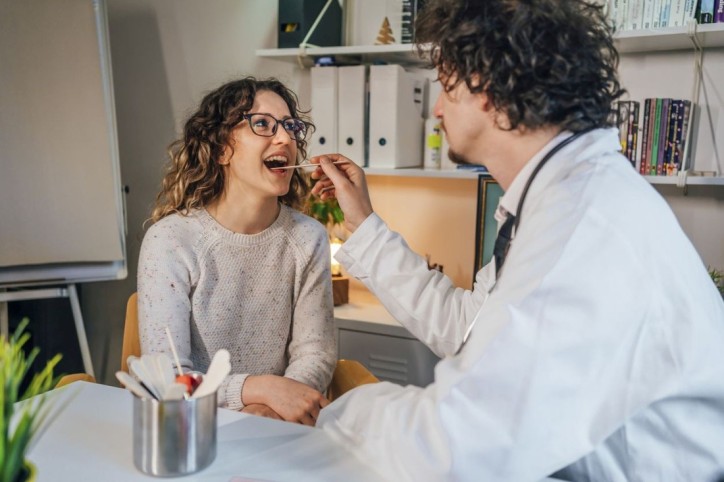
21 423
328 213
718 279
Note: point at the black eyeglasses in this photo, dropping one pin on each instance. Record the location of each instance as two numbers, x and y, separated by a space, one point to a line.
266 126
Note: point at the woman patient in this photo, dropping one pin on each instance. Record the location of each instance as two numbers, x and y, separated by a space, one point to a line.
229 263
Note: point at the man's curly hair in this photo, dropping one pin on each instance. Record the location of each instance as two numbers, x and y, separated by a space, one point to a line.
194 178
540 62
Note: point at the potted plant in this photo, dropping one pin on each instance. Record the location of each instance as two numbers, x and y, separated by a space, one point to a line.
718 278
331 216
21 423
328 213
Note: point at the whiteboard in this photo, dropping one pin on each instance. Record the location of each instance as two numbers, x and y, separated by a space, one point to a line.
61 202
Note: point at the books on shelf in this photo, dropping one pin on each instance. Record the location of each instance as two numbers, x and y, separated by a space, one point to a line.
393 19
627 15
663 134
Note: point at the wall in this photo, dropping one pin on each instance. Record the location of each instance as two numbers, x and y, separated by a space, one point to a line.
167 53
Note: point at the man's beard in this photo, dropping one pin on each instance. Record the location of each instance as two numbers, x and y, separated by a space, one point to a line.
458 158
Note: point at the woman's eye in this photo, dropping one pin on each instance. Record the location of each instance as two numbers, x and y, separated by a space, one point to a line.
261 123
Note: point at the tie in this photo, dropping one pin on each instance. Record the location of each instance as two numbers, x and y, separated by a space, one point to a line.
502 243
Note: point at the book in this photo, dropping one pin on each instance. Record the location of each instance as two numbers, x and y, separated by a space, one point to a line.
409 15
690 10
687 113
677 13
706 11
647 19
633 132
635 14
668 162
665 13
663 133
719 11
645 142
656 13
655 138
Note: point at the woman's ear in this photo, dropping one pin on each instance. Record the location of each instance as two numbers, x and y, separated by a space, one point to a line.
225 157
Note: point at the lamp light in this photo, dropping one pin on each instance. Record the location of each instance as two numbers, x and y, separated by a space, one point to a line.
340 284
334 246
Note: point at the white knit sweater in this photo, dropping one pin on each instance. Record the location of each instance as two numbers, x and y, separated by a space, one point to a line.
266 297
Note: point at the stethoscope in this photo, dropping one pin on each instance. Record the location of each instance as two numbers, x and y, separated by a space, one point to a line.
510 226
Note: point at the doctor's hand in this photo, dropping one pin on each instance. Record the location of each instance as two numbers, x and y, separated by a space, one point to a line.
347 183
293 401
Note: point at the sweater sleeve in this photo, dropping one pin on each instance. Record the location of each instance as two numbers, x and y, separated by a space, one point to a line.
164 286
312 349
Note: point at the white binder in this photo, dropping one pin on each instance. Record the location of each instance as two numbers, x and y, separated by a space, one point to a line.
396 123
324 110
352 113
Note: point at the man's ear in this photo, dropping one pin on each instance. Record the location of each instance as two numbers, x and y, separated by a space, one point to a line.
484 102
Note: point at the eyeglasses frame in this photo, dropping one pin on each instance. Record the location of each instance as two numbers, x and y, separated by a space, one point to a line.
291 134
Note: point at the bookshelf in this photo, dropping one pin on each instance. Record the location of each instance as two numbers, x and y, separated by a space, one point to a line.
667 39
670 38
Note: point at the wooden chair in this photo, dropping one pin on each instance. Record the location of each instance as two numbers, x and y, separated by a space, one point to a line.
348 374
75 377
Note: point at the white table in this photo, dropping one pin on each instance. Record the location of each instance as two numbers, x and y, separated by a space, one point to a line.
91 439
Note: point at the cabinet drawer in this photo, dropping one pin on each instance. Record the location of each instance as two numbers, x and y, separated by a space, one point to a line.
399 360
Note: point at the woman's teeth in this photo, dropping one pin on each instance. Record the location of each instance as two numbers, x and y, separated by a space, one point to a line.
274 163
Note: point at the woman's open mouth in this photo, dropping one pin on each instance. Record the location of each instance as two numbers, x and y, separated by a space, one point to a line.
273 163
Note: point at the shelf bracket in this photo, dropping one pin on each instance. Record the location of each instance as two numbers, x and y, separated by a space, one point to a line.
691 31
302 55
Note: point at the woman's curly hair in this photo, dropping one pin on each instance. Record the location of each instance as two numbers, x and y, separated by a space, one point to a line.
194 178
540 62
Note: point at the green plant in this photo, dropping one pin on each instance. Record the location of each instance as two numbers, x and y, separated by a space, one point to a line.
21 423
326 212
718 279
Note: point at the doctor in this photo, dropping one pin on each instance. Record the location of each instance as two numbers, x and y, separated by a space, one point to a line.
592 347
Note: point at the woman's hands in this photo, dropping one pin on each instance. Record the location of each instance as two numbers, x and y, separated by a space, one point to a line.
261 411
289 399
347 183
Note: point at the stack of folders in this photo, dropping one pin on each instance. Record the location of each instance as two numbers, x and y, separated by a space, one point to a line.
372 115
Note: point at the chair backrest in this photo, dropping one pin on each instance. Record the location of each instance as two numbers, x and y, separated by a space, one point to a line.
131 341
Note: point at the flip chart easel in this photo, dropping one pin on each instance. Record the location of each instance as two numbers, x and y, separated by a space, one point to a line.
70 292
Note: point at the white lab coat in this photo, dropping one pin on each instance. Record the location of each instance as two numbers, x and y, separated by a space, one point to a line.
599 354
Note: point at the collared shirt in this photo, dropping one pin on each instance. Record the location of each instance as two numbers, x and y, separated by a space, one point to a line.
597 355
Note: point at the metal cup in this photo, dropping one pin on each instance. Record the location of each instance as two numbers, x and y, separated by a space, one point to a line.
174 437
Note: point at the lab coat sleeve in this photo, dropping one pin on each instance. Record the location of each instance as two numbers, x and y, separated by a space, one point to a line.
552 368
424 301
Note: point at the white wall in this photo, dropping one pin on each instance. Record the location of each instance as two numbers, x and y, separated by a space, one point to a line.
167 53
